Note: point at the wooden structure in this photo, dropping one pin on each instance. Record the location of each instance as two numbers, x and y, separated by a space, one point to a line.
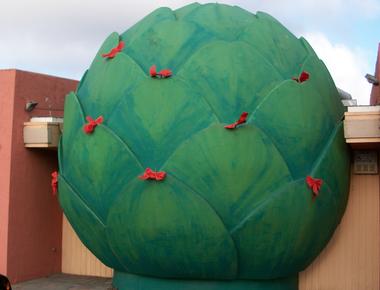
42 134
76 258
361 126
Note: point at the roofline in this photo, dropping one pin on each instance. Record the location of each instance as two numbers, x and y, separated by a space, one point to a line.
35 73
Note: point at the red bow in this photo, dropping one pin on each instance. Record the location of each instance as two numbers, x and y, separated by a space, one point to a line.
114 51
89 128
54 182
150 174
242 119
165 73
315 184
304 76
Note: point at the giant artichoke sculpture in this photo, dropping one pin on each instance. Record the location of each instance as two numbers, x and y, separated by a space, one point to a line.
163 174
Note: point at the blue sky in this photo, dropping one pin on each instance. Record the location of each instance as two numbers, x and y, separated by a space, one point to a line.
61 37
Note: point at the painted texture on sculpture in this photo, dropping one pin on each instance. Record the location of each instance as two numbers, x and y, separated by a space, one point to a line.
231 203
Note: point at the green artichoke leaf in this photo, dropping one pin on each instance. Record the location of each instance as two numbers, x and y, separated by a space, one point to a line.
235 20
233 77
333 166
164 229
82 80
284 240
322 82
307 46
91 230
285 52
106 162
108 80
234 203
290 114
145 24
73 122
167 44
185 10
232 170
295 242
152 120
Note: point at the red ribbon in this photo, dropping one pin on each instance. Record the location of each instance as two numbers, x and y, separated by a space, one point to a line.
314 184
165 73
90 126
114 51
155 175
54 182
303 77
242 119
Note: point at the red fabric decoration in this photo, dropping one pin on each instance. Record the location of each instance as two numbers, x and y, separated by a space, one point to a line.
150 174
303 77
242 119
114 51
314 184
165 73
54 182
153 71
90 127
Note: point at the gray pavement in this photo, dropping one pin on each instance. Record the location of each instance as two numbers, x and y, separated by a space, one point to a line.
66 282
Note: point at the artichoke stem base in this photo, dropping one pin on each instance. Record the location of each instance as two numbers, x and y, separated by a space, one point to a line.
126 281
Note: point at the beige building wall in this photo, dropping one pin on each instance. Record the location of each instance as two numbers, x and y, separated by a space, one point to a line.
76 258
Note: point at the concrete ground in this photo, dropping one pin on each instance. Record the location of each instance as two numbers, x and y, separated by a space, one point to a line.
65 282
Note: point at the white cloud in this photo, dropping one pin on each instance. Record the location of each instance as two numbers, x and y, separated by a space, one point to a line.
62 36
315 8
332 16
368 8
347 66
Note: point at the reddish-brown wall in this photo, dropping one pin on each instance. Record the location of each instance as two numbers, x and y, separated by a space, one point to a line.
35 218
7 85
